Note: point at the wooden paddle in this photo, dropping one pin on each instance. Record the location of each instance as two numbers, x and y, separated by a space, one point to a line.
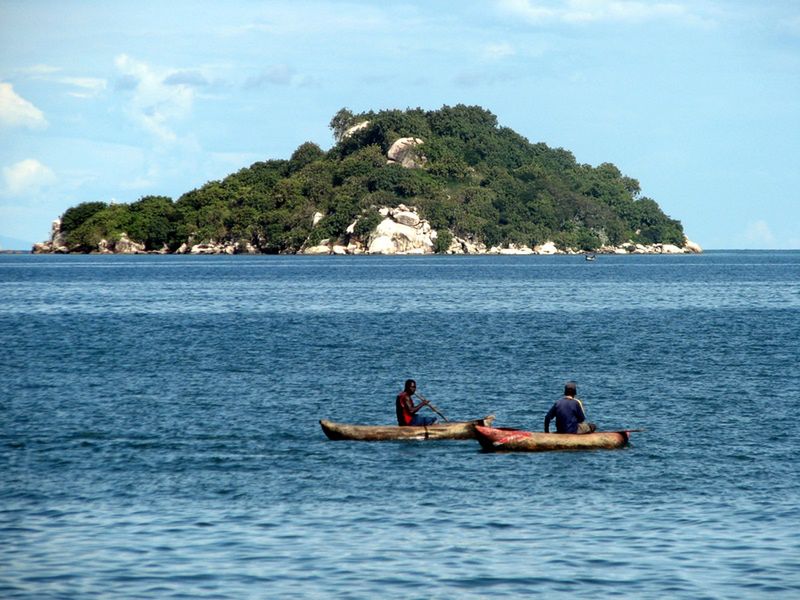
431 406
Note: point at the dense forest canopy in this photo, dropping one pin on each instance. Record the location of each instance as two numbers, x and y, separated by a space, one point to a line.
474 179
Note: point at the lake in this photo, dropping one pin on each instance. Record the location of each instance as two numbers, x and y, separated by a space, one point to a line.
159 432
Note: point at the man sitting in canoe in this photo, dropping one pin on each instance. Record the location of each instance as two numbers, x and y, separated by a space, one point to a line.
568 412
406 411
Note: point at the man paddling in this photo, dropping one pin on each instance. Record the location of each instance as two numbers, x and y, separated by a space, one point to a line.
407 411
568 413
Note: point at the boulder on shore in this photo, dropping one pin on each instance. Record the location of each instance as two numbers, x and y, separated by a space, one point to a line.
56 244
124 245
402 231
691 246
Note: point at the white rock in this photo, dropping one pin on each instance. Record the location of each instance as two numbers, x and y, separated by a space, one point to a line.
406 218
125 245
316 218
424 243
692 246
404 237
455 247
337 249
404 151
351 130
546 248
204 249
471 247
671 249
382 244
514 249
320 249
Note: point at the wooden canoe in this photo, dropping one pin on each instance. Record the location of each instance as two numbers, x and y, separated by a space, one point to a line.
451 430
494 439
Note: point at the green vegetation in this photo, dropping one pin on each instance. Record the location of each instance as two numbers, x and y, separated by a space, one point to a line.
478 181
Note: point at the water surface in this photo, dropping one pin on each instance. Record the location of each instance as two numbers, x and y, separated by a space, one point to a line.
159 428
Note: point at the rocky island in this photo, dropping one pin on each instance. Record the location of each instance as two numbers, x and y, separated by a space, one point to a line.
395 182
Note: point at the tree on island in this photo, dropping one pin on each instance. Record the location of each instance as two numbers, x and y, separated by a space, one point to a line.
469 177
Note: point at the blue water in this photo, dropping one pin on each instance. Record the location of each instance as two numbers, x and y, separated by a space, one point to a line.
159 431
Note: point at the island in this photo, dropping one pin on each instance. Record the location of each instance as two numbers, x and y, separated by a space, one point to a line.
447 181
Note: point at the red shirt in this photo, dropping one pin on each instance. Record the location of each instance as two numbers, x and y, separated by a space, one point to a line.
403 405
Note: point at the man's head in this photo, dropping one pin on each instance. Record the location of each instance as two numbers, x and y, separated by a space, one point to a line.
411 386
570 389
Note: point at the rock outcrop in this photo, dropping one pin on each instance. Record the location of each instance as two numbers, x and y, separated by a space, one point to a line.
406 152
124 245
402 231
688 247
691 246
56 244
354 129
546 248
212 247
322 248
466 246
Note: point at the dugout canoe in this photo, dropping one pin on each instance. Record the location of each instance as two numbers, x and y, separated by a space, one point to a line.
493 439
451 430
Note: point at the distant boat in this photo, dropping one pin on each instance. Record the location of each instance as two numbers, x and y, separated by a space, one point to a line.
590 256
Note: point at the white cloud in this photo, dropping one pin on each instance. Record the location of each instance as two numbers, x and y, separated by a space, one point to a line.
589 11
274 75
498 51
88 87
279 75
15 111
27 177
760 234
155 103
39 70
192 78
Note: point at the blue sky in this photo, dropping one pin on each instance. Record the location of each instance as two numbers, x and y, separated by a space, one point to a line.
111 101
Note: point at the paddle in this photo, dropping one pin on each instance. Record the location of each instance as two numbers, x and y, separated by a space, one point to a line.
431 406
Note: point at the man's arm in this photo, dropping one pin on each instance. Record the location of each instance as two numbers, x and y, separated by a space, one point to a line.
408 403
415 409
548 417
579 413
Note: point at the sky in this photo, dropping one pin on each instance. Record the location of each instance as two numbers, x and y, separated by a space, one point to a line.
111 101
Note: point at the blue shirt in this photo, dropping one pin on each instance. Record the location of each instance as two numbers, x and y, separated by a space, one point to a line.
568 412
